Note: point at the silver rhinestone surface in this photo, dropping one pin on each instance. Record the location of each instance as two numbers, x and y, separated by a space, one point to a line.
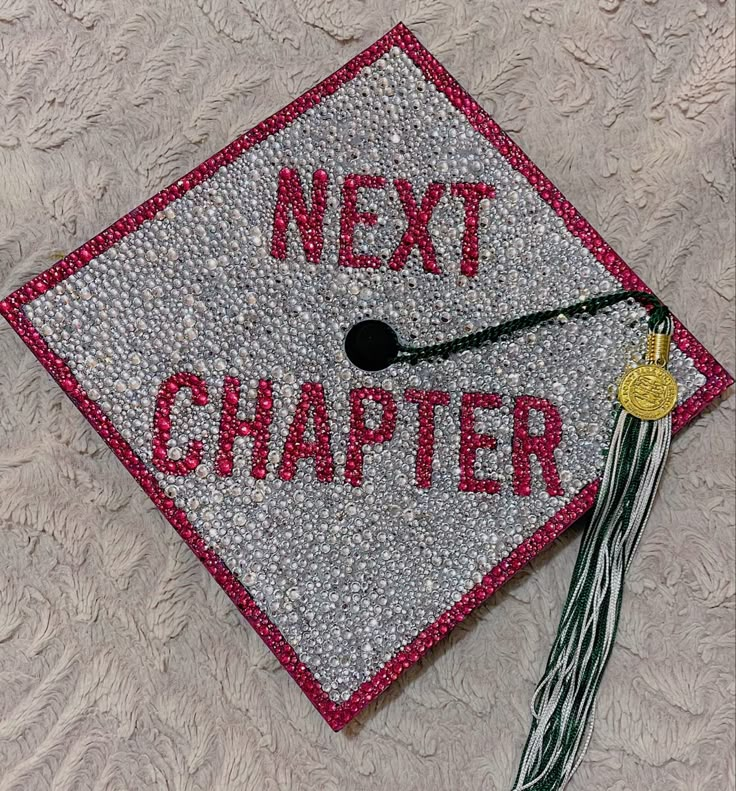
351 574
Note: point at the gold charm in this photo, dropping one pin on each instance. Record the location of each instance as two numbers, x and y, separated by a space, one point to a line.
648 392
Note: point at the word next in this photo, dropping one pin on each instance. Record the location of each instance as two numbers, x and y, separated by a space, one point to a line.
417 210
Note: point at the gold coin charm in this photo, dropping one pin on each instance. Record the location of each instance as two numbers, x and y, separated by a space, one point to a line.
648 392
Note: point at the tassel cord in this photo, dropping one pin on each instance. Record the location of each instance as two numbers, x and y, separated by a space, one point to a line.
589 307
563 706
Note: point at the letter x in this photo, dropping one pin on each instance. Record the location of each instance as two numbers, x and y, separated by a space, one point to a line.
416 233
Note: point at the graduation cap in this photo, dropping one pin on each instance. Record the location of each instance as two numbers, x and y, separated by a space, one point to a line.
368 361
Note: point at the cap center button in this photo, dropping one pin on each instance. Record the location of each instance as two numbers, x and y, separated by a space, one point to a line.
371 345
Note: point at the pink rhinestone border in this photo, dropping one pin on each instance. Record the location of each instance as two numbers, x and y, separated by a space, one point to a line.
338 715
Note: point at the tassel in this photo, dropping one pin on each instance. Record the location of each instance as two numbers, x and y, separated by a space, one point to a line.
563 707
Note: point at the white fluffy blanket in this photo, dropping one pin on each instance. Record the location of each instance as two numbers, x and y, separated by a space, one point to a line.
122 664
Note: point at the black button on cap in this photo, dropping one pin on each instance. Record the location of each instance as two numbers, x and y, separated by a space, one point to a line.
371 345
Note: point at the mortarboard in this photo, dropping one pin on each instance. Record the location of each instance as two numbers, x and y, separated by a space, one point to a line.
369 361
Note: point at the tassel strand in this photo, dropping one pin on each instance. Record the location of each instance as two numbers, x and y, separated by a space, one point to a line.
563 706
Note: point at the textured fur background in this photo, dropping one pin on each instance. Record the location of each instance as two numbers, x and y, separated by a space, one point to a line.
122 664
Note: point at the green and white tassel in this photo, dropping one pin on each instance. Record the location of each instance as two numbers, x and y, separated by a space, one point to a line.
563 707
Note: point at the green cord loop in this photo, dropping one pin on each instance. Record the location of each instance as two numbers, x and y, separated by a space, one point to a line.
413 355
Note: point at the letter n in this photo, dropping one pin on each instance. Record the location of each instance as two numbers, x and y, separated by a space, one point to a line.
290 201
